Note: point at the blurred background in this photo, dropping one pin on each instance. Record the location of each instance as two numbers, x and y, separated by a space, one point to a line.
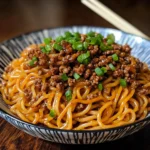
20 16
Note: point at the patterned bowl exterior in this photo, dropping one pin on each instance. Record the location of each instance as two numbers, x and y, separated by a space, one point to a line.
11 49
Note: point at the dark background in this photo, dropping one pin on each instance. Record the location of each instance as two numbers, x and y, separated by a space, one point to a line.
20 16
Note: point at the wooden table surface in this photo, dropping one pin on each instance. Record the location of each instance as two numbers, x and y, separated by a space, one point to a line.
20 16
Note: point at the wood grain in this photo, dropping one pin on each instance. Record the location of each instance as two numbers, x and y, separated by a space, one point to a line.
20 16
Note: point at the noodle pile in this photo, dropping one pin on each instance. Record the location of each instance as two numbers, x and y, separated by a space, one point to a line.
113 106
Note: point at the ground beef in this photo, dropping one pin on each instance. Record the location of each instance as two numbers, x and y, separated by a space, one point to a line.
83 37
144 91
80 107
87 73
38 84
35 51
66 62
26 67
28 94
71 82
45 87
64 69
8 69
118 73
79 69
54 70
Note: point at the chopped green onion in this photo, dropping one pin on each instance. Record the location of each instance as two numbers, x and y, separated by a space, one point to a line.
104 47
108 47
77 35
68 34
85 45
82 58
34 59
68 95
123 82
73 46
112 67
76 76
78 46
88 39
57 47
47 40
99 71
104 69
71 40
93 40
52 113
31 63
64 77
91 34
59 39
86 61
48 48
109 42
99 41
99 36
100 86
115 57
43 49
110 39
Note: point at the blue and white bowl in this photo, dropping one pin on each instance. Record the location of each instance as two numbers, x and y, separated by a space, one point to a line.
11 49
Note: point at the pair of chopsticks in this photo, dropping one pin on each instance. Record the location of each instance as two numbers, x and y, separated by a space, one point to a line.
112 17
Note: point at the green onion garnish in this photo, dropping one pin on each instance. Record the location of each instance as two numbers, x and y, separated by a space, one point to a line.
78 46
100 86
68 95
93 40
48 48
112 67
52 113
84 58
76 76
104 69
57 47
59 39
34 59
86 61
43 49
68 34
47 40
71 40
110 39
99 71
115 57
99 36
77 35
85 45
64 77
91 34
123 82
104 47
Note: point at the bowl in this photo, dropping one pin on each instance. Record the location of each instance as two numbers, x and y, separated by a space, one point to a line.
11 49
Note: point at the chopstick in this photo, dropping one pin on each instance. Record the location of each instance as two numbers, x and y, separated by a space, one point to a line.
112 17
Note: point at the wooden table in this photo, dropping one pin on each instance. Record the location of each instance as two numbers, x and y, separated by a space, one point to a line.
20 16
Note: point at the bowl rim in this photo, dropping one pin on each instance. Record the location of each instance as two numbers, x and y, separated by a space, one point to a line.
63 130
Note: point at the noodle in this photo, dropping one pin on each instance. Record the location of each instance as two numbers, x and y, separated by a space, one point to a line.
111 107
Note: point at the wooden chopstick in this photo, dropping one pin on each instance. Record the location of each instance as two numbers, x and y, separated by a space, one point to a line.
112 17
